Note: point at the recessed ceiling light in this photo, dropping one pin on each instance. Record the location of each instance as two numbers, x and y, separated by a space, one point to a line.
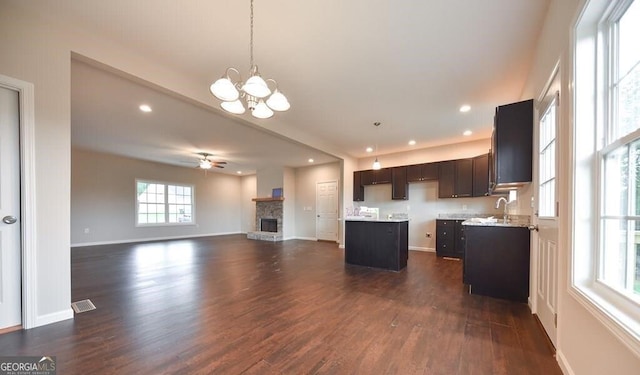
145 108
369 149
467 132
239 172
465 108
311 160
412 143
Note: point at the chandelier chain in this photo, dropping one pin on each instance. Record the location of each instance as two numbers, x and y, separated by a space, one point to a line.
251 39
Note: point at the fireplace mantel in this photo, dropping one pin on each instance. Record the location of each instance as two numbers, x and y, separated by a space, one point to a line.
268 199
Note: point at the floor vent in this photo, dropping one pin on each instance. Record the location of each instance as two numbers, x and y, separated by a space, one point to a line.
449 258
83 306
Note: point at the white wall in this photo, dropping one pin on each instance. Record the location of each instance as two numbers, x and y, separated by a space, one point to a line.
430 154
585 346
289 205
306 180
32 52
268 179
103 199
249 188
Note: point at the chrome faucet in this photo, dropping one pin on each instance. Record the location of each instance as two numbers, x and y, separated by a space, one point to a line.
506 202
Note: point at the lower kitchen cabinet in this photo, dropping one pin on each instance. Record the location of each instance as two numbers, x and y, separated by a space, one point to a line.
496 261
379 244
450 238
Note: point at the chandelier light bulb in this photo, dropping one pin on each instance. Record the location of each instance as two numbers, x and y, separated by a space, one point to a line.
224 90
256 86
234 107
278 102
262 111
205 164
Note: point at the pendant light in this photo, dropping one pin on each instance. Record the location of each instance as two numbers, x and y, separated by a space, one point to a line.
376 164
255 93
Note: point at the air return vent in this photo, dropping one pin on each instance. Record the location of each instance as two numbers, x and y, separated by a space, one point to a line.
83 306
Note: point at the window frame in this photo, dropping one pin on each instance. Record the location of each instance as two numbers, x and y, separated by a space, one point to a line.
592 113
166 185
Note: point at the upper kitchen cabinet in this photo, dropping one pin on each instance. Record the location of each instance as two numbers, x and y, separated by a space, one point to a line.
481 175
422 172
399 187
512 146
358 189
373 177
455 178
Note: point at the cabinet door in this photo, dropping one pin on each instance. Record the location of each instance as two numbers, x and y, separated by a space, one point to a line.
445 237
399 188
460 239
414 173
366 177
429 171
464 178
447 179
358 189
382 176
481 175
514 142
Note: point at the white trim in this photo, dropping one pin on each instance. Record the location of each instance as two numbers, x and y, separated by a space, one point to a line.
28 198
424 249
337 207
54 317
564 364
98 243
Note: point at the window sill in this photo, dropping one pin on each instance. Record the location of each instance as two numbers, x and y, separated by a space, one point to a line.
622 325
165 225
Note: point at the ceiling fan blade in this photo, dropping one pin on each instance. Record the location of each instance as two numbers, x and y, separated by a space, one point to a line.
218 166
219 162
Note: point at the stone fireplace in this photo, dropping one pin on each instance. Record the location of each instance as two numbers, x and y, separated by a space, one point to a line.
269 212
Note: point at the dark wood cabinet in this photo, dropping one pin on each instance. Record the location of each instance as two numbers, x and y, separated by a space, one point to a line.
496 261
450 238
455 178
378 244
512 146
358 189
399 187
481 176
373 177
422 172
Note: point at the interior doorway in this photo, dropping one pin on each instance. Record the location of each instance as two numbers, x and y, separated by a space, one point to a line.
327 211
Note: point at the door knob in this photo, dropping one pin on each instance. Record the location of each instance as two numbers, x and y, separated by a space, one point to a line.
9 219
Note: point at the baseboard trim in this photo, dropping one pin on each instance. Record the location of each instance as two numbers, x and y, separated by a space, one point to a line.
55 317
425 249
564 364
305 238
98 243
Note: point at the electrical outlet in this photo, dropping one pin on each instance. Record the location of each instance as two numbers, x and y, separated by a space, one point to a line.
428 235
464 207
86 230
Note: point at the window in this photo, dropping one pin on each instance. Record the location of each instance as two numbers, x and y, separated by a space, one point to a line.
620 154
605 264
159 203
547 161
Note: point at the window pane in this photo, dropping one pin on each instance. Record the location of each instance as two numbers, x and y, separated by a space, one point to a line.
614 257
616 167
629 102
142 218
629 29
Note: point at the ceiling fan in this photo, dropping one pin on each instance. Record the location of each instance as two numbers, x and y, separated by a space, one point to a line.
205 163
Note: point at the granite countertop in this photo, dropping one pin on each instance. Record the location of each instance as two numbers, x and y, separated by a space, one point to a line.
381 220
499 223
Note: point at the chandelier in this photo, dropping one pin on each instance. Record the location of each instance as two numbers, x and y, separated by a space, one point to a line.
255 93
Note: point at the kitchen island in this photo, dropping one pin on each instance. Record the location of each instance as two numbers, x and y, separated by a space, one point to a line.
377 243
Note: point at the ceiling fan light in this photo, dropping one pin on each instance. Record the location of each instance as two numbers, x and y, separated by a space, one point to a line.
224 90
376 165
278 102
205 164
234 107
256 86
262 110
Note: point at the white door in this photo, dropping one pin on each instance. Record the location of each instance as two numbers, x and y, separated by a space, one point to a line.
327 211
10 254
545 241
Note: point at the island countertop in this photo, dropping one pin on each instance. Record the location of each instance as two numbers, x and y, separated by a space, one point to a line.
383 220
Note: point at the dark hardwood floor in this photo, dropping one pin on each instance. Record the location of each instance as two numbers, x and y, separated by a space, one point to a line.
228 305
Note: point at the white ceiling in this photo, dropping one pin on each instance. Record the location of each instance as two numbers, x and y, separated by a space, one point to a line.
342 64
